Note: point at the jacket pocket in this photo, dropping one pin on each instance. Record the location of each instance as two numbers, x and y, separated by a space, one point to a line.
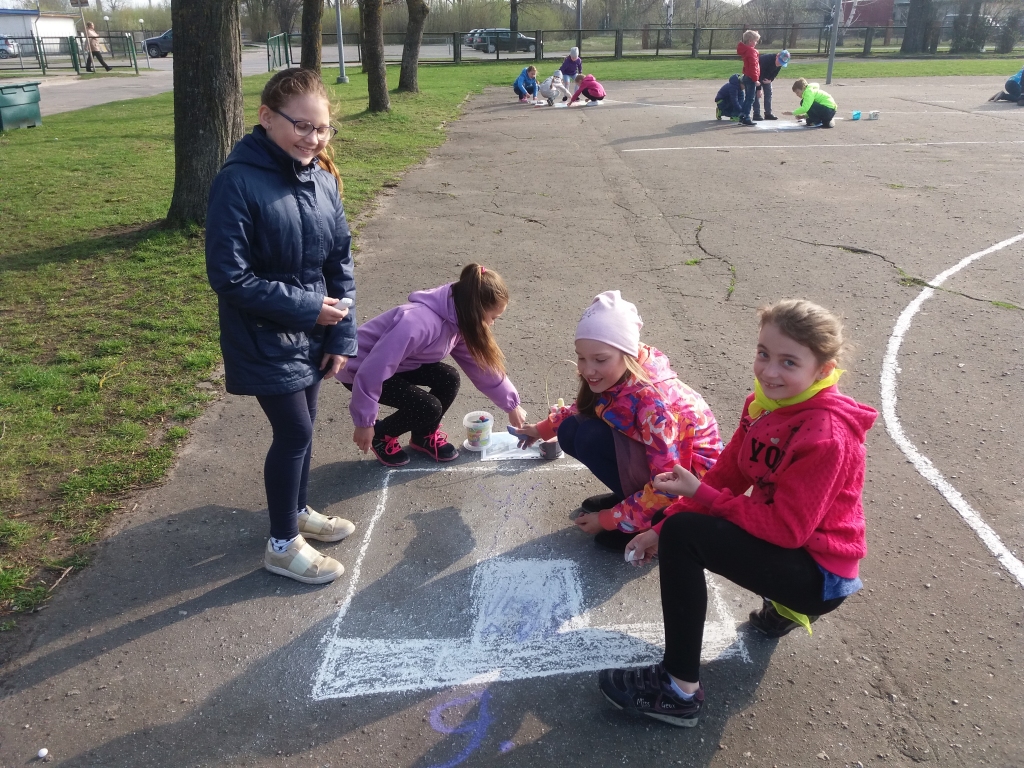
276 343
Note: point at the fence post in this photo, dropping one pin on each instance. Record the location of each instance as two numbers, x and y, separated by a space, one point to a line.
696 40
657 43
618 43
538 45
42 54
457 47
579 40
73 50
288 48
130 42
869 36
711 42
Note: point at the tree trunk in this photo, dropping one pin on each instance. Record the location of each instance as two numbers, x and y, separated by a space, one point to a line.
373 56
513 17
208 117
919 18
408 79
312 24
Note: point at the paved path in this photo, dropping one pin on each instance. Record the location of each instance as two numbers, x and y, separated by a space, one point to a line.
65 94
471 611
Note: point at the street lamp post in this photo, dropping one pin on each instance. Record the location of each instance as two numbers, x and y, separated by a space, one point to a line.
142 29
342 78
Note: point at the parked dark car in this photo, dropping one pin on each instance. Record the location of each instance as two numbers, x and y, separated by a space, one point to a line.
503 40
470 37
158 47
9 48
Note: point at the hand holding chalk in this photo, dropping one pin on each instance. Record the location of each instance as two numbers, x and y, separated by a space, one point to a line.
346 302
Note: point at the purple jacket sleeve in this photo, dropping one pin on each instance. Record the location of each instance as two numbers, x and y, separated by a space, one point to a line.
394 345
498 388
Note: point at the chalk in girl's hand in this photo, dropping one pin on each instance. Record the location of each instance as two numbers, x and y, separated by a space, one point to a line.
561 403
346 302
631 555
512 430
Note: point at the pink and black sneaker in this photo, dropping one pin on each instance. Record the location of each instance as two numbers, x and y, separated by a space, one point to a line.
436 446
389 452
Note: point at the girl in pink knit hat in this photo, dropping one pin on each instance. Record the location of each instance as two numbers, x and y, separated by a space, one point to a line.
632 420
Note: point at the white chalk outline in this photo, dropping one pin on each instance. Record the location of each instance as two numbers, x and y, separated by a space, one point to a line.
924 466
831 146
619 645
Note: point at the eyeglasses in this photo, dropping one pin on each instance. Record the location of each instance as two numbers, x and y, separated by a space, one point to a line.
303 127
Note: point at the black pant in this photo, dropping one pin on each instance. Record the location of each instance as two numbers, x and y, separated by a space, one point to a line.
99 58
820 114
418 412
691 542
286 469
592 95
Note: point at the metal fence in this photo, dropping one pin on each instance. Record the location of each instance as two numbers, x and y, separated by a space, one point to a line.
43 54
540 45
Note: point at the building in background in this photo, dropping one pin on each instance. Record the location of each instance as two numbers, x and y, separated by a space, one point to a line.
32 24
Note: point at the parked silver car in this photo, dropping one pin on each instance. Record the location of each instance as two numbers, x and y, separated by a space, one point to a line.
9 48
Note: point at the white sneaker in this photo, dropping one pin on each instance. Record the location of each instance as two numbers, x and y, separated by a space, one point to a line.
313 525
832 123
302 563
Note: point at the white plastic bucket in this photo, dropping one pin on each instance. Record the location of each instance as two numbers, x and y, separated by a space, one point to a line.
478 426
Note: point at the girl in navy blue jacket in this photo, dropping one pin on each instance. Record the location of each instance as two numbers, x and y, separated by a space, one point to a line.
278 256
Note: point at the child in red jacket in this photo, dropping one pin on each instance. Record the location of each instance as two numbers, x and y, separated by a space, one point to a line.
797 539
747 50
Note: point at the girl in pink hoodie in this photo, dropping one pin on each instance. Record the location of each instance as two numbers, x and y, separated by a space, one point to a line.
400 353
797 539
587 87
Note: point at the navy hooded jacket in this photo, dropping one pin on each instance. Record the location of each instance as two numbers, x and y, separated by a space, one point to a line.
732 93
276 243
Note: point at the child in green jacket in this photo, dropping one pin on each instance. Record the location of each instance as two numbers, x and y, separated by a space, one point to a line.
816 106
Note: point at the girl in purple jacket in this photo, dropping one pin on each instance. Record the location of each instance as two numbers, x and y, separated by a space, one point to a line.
400 352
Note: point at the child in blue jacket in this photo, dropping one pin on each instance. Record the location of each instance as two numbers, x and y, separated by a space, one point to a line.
278 255
729 99
525 85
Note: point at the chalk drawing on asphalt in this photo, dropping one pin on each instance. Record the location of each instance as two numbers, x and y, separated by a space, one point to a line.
529 621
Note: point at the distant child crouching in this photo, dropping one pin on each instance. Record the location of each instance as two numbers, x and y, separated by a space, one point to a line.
525 85
816 106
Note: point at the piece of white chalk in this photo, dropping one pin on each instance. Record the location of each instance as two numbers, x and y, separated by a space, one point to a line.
42 753
346 302
630 555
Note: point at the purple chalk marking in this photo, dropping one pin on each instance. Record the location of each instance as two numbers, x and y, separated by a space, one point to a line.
478 728
507 746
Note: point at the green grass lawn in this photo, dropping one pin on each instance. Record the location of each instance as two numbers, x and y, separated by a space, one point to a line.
109 329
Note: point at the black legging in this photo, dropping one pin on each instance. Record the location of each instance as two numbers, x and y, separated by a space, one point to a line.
286 469
819 113
418 412
691 542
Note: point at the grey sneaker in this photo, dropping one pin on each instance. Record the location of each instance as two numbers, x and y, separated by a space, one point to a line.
302 563
313 525
648 691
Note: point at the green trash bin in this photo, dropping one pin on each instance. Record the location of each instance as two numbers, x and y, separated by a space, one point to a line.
19 106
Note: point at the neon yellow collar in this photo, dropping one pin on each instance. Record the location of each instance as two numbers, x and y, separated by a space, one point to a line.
762 402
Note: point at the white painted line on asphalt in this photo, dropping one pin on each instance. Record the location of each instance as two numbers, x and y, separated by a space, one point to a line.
924 466
832 146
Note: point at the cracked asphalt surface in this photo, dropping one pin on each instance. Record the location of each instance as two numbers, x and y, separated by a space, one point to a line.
175 649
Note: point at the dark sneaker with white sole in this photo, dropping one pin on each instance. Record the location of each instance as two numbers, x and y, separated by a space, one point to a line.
613 541
648 692
769 622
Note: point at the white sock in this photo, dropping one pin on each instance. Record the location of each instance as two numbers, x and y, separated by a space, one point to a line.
280 545
679 691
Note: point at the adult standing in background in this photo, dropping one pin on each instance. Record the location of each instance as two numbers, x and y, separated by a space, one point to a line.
93 47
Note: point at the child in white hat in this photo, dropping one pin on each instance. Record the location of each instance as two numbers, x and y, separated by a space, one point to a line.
572 66
632 418
553 89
